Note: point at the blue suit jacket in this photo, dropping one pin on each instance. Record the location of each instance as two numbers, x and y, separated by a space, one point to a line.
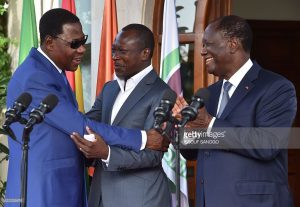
248 176
55 169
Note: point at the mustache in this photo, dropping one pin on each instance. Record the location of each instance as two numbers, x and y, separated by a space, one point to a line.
119 65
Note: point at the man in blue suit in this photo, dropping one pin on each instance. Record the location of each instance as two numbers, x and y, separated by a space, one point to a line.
55 166
253 169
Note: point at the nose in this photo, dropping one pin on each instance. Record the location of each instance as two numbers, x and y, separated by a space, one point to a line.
203 51
115 55
81 49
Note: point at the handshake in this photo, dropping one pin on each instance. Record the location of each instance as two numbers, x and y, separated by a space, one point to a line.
168 116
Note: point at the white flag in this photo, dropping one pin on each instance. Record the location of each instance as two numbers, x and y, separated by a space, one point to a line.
170 73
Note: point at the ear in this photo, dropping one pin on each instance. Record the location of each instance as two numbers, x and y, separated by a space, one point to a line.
49 43
146 54
234 45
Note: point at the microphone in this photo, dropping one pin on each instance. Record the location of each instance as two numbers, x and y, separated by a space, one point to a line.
162 113
14 114
37 115
190 112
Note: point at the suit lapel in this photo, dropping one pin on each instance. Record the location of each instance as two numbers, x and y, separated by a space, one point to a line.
50 68
245 86
70 92
110 96
139 92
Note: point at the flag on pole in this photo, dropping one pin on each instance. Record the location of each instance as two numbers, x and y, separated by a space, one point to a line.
108 34
28 38
74 78
170 73
105 65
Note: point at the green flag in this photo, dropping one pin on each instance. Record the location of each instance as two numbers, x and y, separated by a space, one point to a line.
28 36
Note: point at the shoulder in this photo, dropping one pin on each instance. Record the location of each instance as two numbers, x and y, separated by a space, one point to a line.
269 79
160 86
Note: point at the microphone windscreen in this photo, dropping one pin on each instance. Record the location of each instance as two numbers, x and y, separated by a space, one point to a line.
169 95
202 93
24 99
51 101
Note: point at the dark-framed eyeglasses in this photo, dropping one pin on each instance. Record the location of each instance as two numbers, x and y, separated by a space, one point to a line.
75 44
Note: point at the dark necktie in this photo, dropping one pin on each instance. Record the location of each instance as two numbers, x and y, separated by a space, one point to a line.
225 97
63 73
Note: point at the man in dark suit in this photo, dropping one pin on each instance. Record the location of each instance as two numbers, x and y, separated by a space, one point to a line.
55 166
252 170
127 178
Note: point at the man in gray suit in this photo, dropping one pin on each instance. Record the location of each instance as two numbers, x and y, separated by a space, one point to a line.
126 178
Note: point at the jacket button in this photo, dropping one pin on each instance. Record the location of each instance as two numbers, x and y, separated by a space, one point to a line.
206 153
202 181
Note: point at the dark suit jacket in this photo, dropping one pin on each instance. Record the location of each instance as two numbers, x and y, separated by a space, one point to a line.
245 175
55 169
131 179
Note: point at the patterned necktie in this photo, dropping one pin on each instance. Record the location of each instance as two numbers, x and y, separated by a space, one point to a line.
225 97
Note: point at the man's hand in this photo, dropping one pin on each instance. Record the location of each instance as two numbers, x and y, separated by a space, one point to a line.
203 117
202 120
156 141
179 105
97 149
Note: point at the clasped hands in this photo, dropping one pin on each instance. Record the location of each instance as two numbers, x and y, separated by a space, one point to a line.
99 149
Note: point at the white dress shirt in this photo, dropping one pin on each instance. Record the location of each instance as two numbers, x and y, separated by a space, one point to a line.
125 90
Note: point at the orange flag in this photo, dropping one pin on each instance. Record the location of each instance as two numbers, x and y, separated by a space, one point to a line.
74 78
109 32
70 5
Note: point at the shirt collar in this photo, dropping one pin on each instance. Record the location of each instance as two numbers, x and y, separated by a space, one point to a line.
134 80
46 56
239 75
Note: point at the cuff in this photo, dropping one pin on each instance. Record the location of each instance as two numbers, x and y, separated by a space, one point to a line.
211 123
108 157
144 139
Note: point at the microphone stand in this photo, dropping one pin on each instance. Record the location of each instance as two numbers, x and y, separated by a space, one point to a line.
177 170
24 162
24 165
175 143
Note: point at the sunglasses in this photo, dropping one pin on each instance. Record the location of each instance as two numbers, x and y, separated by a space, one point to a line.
75 44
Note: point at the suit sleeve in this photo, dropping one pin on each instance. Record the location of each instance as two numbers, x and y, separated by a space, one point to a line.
66 118
274 116
121 159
